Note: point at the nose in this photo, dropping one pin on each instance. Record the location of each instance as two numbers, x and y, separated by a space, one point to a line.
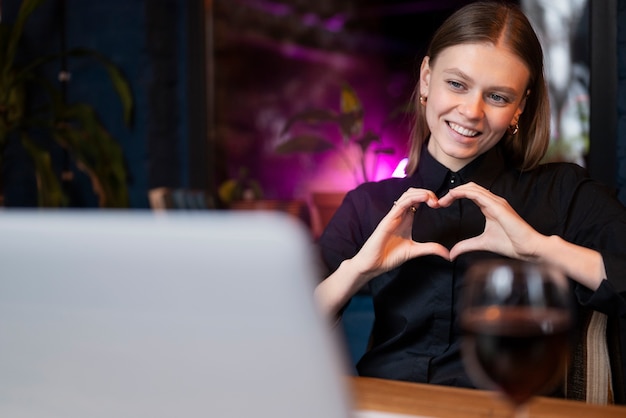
471 106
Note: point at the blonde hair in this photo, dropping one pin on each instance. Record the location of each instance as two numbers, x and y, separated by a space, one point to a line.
493 22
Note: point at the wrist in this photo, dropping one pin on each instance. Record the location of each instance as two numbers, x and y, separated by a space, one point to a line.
584 265
545 246
353 272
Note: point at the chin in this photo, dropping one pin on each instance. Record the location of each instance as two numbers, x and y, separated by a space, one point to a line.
462 153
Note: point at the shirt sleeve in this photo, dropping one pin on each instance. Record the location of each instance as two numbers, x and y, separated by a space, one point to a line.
341 239
355 220
596 219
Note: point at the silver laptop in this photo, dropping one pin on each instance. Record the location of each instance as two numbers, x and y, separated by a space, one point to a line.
120 314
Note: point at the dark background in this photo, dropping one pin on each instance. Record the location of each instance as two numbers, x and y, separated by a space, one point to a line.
184 95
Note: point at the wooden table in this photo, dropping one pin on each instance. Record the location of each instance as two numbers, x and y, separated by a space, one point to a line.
448 402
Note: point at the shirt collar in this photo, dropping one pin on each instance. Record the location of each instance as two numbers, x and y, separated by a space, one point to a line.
483 170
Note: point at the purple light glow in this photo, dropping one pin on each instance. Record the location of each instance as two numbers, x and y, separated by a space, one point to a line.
310 19
332 24
399 171
335 23
291 50
269 7
287 49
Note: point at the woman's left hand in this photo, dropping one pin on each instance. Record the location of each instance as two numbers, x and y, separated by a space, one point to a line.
505 233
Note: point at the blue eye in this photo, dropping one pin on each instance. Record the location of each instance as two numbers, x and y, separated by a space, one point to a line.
455 84
498 99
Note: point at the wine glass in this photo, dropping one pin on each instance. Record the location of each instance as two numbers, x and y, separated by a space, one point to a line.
516 318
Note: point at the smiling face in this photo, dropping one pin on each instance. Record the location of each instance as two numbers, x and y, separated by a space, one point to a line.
474 93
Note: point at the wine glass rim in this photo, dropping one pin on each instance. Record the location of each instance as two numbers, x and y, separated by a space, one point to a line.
543 269
494 281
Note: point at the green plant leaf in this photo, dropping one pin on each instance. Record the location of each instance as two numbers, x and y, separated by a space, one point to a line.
9 50
351 124
350 102
120 83
366 140
49 190
386 151
305 144
74 127
311 117
12 105
96 153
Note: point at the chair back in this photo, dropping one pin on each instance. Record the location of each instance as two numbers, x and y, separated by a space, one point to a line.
595 373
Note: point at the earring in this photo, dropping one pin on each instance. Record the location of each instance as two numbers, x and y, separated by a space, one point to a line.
423 100
514 129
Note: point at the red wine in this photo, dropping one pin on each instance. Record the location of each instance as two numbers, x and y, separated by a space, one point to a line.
520 351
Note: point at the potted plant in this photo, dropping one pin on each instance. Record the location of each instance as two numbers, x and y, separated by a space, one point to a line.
73 126
349 119
356 148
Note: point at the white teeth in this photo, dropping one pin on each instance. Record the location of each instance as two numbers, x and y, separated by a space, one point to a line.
463 131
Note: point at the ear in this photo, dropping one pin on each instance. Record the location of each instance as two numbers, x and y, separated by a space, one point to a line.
520 108
425 76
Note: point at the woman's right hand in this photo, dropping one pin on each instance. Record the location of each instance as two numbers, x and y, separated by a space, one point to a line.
390 245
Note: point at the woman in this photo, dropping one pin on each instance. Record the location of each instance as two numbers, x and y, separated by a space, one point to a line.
474 187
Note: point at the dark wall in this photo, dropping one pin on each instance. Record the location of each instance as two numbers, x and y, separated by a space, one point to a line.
621 99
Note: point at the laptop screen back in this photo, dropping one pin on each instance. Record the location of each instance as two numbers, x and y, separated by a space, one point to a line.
119 314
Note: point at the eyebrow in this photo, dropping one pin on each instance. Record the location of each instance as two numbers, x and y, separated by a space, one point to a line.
458 73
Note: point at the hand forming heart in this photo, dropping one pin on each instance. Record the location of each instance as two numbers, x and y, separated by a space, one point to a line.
505 233
391 243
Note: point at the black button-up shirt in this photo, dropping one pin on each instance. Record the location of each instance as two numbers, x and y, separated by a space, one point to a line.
415 335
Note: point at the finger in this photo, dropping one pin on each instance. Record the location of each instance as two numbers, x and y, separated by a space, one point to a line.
464 190
479 195
414 197
403 207
420 249
466 246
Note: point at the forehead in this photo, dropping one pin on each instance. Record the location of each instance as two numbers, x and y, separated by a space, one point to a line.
484 62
